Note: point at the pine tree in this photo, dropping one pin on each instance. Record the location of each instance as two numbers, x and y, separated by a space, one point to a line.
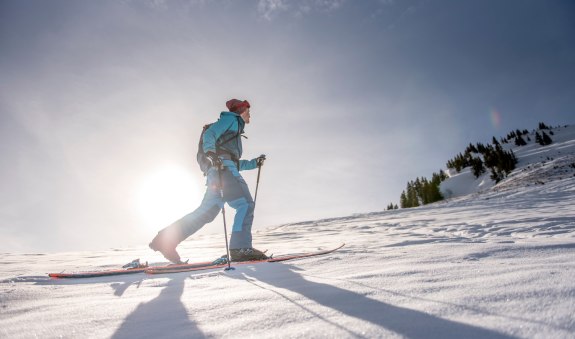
538 138
543 126
477 167
412 199
519 141
481 148
471 149
496 175
403 200
546 139
442 175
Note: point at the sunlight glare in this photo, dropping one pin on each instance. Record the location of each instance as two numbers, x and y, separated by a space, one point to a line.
166 195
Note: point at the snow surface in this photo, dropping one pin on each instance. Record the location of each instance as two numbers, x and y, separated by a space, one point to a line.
497 263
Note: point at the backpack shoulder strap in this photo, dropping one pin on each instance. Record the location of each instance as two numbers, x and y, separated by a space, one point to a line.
219 142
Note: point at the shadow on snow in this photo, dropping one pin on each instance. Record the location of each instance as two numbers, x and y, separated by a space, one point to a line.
163 317
403 321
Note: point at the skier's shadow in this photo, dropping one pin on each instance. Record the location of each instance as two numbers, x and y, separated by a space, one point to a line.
163 317
403 321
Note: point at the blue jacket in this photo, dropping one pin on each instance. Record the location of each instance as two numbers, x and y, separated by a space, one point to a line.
229 128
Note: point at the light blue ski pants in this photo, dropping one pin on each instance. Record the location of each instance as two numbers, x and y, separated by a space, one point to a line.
236 195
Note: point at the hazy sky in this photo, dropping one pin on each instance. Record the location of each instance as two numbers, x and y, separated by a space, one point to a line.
102 103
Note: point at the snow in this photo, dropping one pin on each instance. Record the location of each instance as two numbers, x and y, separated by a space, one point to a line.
498 262
536 165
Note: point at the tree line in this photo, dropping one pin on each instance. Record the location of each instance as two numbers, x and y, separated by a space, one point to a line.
480 158
422 191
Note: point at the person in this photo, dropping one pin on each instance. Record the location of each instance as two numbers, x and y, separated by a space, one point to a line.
222 144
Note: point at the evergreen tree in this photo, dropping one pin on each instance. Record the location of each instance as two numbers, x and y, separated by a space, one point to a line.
496 175
543 126
538 138
412 199
438 178
477 167
546 139
442 175
433 193
471 149
403 200
519 141
481 148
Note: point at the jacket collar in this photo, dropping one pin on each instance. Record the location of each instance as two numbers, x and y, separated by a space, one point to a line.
241 121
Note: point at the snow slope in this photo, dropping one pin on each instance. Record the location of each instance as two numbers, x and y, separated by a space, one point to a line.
497 263
536 165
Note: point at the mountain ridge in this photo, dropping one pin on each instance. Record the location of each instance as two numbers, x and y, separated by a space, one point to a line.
536 165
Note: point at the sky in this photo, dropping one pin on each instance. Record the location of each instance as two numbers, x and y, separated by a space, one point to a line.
102 104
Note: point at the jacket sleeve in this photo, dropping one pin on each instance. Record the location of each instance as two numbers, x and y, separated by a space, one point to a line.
215 131
248 164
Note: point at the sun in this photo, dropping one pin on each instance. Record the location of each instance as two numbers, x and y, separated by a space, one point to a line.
165 195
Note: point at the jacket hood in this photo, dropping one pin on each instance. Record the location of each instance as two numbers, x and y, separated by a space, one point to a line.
229 113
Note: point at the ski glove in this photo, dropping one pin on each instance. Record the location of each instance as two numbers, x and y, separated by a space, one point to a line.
214 160
260 160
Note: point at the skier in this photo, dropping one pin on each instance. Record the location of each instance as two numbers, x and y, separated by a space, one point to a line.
221 149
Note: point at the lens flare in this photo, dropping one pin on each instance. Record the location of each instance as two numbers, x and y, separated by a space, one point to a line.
495 118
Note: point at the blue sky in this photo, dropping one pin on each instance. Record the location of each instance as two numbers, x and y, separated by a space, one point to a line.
102 103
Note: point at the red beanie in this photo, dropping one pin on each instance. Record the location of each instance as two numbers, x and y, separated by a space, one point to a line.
237 106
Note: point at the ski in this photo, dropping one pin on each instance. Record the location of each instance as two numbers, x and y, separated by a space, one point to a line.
136 267
129 270
191 267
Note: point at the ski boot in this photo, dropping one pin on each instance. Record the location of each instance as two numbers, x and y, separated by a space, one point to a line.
166 242
246 254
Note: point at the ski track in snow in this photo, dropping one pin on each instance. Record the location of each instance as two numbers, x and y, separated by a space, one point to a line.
497 263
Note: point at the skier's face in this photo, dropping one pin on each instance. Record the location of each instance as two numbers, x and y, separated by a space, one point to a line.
246 116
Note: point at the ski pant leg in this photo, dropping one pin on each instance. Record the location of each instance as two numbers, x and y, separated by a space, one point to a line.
237 195
210 207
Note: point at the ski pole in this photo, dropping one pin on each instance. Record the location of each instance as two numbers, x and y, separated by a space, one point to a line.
224 215
257 185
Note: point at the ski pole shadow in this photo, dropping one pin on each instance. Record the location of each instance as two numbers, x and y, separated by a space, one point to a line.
403 321
450 304
163 317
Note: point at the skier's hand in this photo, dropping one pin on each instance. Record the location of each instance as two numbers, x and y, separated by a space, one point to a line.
260 160
215 161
